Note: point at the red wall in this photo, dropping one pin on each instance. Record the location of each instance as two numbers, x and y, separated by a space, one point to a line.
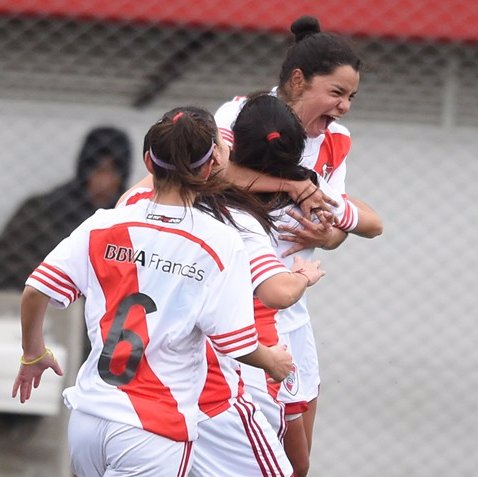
432 19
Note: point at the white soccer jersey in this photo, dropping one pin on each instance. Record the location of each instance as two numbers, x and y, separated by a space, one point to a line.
325 154
157 279
223 384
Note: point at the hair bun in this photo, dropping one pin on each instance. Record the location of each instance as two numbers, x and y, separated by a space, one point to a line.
304 26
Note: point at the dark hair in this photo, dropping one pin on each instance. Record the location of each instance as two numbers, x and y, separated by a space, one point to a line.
103 142
269 138
315 52
179 139
182 137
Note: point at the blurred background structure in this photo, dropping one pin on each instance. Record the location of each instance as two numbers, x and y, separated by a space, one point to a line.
395 317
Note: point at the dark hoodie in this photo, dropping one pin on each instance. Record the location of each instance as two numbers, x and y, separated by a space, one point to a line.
41 222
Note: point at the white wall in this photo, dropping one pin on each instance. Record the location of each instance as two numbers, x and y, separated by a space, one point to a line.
395 317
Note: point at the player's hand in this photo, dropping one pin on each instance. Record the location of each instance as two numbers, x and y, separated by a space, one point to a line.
312 200
281 364
309 268
306 234
29 376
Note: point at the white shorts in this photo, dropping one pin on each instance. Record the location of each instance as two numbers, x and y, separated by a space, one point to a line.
255 383
102 448
239 441
303 385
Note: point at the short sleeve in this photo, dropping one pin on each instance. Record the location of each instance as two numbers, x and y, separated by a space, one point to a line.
63 273
263 260
346 212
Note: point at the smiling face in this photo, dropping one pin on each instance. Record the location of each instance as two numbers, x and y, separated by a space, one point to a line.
322 99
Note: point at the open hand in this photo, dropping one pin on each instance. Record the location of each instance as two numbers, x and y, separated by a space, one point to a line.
29 375
306 234
309 268
312 200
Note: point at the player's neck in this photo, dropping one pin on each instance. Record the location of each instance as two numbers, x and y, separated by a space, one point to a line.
171 196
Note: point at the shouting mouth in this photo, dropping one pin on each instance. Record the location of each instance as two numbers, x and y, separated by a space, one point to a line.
320 125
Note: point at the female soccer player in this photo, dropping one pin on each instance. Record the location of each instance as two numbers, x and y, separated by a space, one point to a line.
158 277
231 420
267 138
319 78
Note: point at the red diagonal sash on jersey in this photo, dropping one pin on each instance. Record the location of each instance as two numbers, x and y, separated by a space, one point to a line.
216 393
152 400
333 151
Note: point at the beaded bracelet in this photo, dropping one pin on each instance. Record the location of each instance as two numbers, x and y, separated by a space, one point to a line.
36 360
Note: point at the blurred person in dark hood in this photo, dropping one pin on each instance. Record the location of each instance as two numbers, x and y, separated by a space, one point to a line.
42 221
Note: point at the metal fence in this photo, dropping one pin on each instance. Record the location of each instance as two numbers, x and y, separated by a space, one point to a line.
394 317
